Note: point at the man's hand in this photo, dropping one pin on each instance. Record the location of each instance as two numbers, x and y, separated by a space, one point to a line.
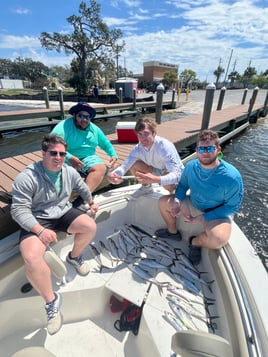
112 162
197 219
48 236
114 178
76 163
93 207
147 178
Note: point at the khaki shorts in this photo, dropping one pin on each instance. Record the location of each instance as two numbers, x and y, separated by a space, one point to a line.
194 212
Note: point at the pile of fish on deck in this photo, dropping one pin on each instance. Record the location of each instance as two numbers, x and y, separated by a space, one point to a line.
146 256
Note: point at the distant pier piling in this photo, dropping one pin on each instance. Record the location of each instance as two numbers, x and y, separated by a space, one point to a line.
221 98
253 100
244 96
45 95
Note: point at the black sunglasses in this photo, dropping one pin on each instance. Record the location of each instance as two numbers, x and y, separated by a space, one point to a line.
55 153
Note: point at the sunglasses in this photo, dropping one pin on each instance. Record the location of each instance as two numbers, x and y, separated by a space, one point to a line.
82 116
55 153
202 149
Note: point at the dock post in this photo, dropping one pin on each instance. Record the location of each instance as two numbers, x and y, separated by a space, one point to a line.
45 95
210 90
187 94
60 92
179 94
173 102
252 100
159 100
244 96
134 98
120 95
265 106
221 98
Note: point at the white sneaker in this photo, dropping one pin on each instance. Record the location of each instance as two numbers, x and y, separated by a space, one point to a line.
143 190
80 265
54 318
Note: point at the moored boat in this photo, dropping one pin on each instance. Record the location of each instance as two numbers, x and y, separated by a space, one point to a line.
218 308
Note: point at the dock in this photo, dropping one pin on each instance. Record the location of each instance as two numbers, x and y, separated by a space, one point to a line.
37 118
182 132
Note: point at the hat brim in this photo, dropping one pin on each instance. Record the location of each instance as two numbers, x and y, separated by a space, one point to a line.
83 107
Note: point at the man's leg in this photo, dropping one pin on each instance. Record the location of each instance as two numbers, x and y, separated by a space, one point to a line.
95 175
84 229
36 269
141 167
38 274
215 235
164 204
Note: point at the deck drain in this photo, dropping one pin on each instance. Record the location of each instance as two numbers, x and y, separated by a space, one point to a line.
26 288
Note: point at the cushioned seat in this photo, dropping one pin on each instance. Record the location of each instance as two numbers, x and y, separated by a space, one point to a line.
198 343
36 351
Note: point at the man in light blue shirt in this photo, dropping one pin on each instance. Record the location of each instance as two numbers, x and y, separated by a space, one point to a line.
216 193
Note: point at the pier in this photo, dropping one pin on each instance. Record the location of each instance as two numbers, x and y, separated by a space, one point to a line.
37 118
182 132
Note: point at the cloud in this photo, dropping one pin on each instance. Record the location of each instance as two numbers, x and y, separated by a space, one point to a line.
11 42
21 11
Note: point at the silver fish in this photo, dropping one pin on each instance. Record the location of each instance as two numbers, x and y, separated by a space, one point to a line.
151 263
105 251
188 284
174 321
157 252
96 255
188 273
202 315
184 318
113 248
186 295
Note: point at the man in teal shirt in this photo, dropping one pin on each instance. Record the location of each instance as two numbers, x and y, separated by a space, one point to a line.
83 137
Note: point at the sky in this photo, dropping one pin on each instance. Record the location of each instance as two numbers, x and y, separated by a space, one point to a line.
194 34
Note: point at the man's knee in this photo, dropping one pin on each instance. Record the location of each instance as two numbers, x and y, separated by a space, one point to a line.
163 202
218 238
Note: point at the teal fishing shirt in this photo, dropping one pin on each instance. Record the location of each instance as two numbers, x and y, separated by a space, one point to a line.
221 186
83 143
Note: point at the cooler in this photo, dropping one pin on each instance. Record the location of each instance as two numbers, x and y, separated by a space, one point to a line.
126 133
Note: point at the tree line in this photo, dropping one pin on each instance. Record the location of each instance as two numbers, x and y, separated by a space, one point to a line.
96 50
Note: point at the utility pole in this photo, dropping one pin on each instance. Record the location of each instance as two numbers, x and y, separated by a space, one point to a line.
228 66
117 56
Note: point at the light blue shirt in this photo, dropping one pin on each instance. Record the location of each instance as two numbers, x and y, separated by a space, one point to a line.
209 188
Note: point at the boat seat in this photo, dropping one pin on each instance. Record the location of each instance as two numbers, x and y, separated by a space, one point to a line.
33 352
200 343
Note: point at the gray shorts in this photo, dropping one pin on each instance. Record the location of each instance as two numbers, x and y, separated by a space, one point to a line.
159 172
60 224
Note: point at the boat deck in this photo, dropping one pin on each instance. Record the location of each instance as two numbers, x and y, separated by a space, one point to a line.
88 322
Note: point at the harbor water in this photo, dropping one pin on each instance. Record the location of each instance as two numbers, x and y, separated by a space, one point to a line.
247 152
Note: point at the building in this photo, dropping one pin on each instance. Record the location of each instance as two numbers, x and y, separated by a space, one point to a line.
153 71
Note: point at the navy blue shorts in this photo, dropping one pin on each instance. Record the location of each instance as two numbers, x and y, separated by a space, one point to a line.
60 224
